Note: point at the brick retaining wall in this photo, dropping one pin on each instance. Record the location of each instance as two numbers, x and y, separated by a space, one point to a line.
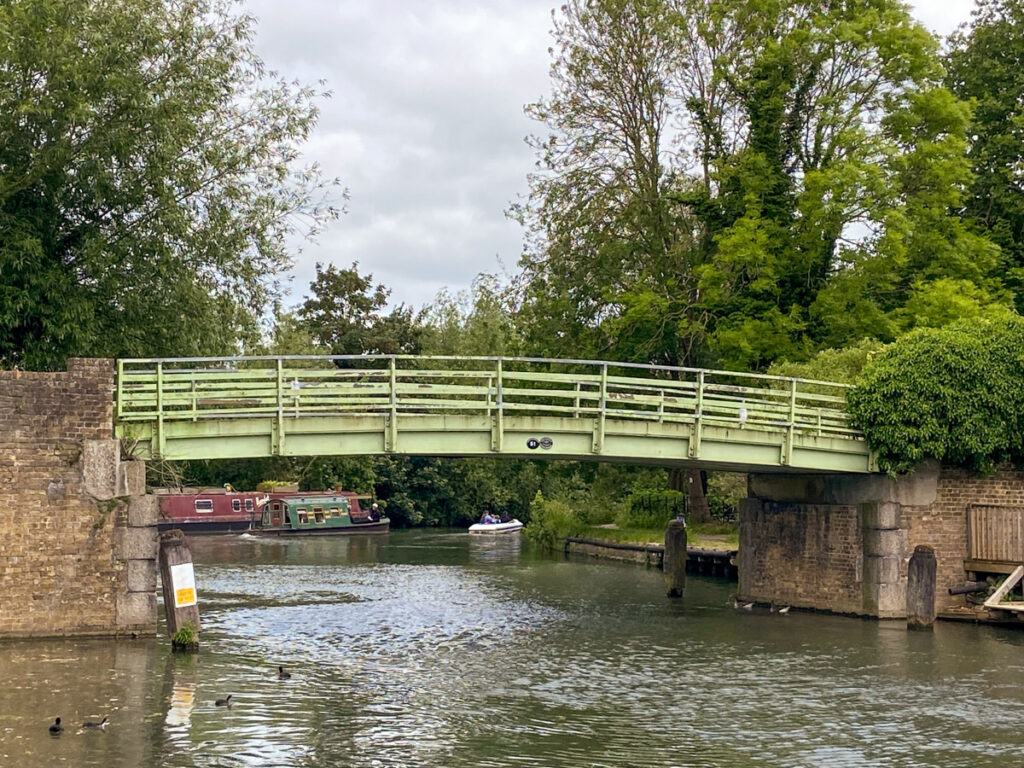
77 539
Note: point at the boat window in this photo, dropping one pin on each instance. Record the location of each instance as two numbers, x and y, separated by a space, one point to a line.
204 505
303 516
335 512
266 517
236 505
248 505
318 515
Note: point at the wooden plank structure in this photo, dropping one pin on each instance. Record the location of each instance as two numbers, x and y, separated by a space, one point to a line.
194 408
995 533
996 599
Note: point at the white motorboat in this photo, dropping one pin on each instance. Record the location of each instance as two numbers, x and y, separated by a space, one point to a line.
510 527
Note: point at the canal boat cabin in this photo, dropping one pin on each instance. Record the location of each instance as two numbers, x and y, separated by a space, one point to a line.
210 510
335 513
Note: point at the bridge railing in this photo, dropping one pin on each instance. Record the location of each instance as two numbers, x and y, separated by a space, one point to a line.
158 390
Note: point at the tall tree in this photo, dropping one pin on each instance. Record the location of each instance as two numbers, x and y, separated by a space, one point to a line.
984 66
148 178
814 192
605 235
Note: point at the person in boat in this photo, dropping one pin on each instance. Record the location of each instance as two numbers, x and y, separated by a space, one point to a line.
505 518
374 512
488 518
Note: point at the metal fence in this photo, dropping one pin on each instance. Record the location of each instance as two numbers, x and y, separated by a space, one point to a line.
159 390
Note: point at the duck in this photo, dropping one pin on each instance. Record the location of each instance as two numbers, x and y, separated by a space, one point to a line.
56 727
90 724
744 606
282 674
784 609
225 702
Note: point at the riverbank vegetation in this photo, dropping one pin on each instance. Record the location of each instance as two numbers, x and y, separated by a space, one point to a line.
815 190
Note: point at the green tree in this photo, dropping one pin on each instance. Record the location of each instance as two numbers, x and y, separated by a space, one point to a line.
984 66
345 315
480 321
149 180
814 193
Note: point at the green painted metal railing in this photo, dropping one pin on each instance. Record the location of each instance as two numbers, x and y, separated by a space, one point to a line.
165 392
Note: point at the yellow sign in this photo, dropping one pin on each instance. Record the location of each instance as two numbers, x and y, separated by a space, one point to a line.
183 579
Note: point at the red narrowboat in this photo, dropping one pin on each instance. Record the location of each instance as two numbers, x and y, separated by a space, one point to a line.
210 510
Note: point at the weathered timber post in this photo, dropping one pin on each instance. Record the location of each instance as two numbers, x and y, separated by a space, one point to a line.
674 560
921 589
181 606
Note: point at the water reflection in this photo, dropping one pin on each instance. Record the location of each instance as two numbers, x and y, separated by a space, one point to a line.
440 649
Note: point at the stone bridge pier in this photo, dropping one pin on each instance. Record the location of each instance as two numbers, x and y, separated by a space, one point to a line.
78 537
842 543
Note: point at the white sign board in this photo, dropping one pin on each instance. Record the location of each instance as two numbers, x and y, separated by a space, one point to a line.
183 580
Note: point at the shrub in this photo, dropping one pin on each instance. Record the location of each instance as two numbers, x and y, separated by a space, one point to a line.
551 522
952 394
651 509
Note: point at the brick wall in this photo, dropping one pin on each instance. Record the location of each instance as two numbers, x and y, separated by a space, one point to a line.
943 524
62 569
805 555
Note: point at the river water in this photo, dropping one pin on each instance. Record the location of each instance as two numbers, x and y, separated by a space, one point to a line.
441 649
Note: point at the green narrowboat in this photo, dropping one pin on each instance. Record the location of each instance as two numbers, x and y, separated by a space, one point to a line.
334 513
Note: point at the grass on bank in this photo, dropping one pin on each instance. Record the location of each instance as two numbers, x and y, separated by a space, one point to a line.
641 518
701 535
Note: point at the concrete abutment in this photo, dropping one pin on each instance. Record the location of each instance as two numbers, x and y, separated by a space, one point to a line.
842 543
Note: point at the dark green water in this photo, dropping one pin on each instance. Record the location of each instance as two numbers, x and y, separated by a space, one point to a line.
438 649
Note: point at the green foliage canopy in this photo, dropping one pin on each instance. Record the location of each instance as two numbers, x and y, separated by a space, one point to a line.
984 66
728 184
951 394
148 179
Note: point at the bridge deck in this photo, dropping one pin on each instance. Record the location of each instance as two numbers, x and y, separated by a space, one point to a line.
193 408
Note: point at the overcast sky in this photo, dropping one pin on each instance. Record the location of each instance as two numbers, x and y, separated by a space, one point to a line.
426 127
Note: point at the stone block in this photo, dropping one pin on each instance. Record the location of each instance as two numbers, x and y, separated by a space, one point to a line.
131 478
891 600
143 511
881 570
136 612
142 576
917 488
882 515
135 543
883 542
100 461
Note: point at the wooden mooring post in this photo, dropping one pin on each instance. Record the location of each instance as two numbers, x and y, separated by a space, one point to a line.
181 605
921 589
674 560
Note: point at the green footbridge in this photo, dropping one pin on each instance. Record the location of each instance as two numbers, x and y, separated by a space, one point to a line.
211 408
